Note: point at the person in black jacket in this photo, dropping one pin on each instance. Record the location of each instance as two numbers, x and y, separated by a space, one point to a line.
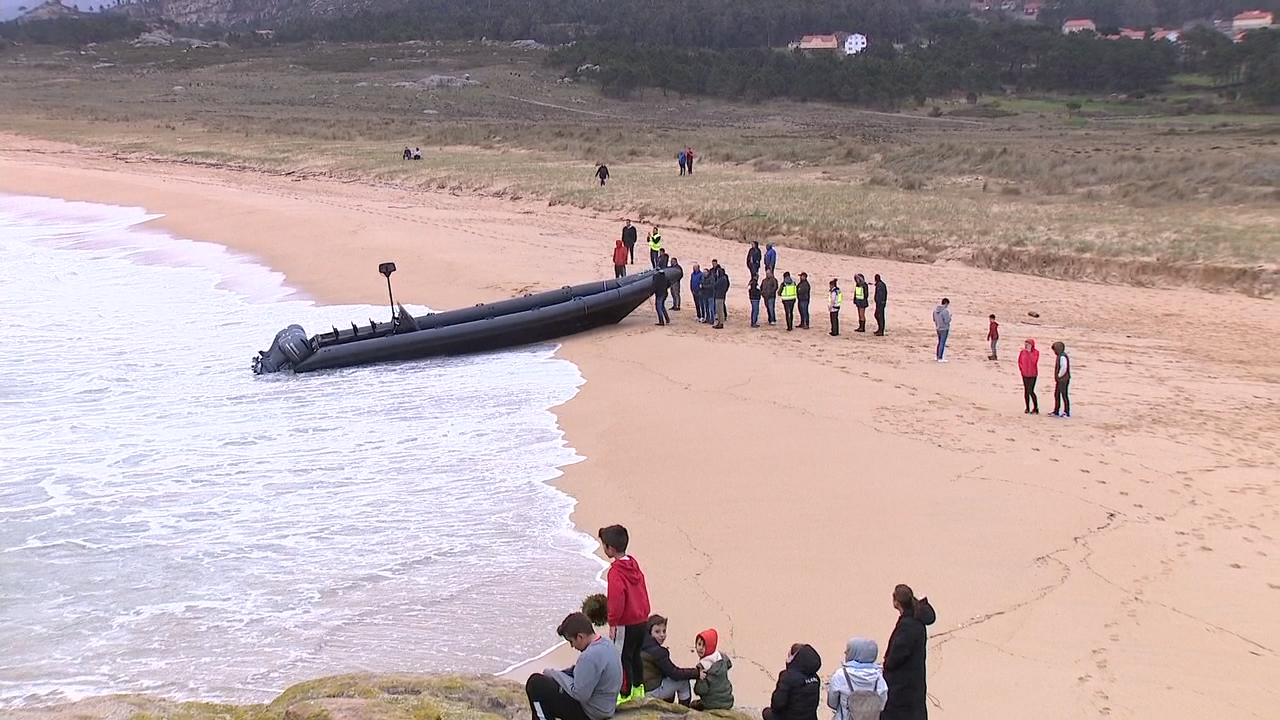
660 287
663 679
753 259
802 300
882 299
904 659
799 690
629 240
721 294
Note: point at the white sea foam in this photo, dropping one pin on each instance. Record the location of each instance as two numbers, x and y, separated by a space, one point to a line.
171 523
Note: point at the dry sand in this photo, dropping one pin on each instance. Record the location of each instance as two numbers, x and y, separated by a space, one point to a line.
777 485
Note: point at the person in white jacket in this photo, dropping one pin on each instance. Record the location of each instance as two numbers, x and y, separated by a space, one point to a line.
857 690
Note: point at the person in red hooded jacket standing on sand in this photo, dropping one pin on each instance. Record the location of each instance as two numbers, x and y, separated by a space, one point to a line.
628 608
619 259
1029 366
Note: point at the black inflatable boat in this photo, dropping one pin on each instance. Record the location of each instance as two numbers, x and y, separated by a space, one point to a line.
509 323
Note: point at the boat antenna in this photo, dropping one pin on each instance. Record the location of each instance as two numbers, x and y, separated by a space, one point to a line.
386 269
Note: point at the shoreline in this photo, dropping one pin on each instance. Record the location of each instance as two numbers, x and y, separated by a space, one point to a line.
778 485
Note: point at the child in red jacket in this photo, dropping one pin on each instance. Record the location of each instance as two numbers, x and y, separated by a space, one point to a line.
993 334
1029 367
628 609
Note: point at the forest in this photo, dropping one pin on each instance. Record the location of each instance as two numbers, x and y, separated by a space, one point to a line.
956 56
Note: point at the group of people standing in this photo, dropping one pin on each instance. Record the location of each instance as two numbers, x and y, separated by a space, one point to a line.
685 158
633 662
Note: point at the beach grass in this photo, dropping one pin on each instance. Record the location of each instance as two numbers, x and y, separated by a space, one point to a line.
1137 198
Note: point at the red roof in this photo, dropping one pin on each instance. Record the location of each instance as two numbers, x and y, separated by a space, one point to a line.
1078 24
1255 15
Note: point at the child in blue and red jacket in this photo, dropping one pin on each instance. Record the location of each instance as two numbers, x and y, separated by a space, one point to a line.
628 609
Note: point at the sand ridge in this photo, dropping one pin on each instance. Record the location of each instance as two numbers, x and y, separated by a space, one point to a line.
777 485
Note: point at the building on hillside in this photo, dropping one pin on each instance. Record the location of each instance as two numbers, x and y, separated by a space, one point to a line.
1169 35
819 42
1031 10
1080 25
1252 20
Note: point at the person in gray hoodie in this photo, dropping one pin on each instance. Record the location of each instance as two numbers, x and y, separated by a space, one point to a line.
942 323
857 690
586 691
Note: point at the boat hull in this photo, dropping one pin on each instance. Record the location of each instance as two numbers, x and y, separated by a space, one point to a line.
508 323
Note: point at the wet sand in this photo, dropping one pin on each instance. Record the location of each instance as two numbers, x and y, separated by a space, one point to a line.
777 485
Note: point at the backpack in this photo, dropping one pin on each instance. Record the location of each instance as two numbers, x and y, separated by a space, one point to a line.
860 704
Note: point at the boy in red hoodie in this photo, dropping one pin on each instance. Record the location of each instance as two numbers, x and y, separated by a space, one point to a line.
993 334
628 609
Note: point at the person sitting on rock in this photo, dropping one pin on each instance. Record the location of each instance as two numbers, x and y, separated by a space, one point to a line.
586 691
662 678
713 688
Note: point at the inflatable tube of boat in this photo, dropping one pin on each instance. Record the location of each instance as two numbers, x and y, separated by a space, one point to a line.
509 323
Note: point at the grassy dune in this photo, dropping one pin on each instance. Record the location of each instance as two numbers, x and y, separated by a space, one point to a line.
1108 194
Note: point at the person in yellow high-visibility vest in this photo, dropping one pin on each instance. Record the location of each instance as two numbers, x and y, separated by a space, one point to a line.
861 299
788 294
833 306
655 246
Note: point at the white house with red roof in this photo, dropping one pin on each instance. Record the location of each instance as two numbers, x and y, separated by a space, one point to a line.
1079 25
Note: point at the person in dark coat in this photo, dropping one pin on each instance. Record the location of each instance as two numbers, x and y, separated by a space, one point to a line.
629 240
799 690
882 299
753 259
802 300
708 292
602 172
660 287
904 659
721 294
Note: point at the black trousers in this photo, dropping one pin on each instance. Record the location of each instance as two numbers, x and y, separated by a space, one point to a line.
789 309
804 313
632 663
835 322
619 271
631 252
548 702
1060 399
879 319
1029 394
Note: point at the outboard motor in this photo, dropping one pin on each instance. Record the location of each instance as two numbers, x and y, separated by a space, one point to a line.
290 347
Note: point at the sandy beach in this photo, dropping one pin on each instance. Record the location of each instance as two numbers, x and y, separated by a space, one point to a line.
778 485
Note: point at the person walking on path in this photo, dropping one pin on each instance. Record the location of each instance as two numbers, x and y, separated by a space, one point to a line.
882 299
833 307
942 323
675 289
769 291
660 287
753 259
655 246
1029 368
788 293
602 172
586 691
802 300
619 259
753 295
770 258
861 299
904 658
993 336
629 239
721 295
1061 381
695 292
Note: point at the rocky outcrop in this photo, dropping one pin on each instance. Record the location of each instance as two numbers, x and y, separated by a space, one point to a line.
48 10
356 697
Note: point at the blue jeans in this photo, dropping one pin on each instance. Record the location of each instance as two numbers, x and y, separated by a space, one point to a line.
755 312
660 301
804 313
771 308
942 342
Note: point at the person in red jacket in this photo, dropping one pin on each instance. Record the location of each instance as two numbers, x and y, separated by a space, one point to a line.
619 259
1029 366
993 336
628 608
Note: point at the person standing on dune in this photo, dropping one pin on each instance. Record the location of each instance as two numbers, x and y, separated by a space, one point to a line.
675 287
904 658
769 292
753 259
942 323
802 300
721 296
788 294
602 172
655 246
861 300
1061 381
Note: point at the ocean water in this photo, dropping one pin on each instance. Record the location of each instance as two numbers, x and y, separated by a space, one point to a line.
171 523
